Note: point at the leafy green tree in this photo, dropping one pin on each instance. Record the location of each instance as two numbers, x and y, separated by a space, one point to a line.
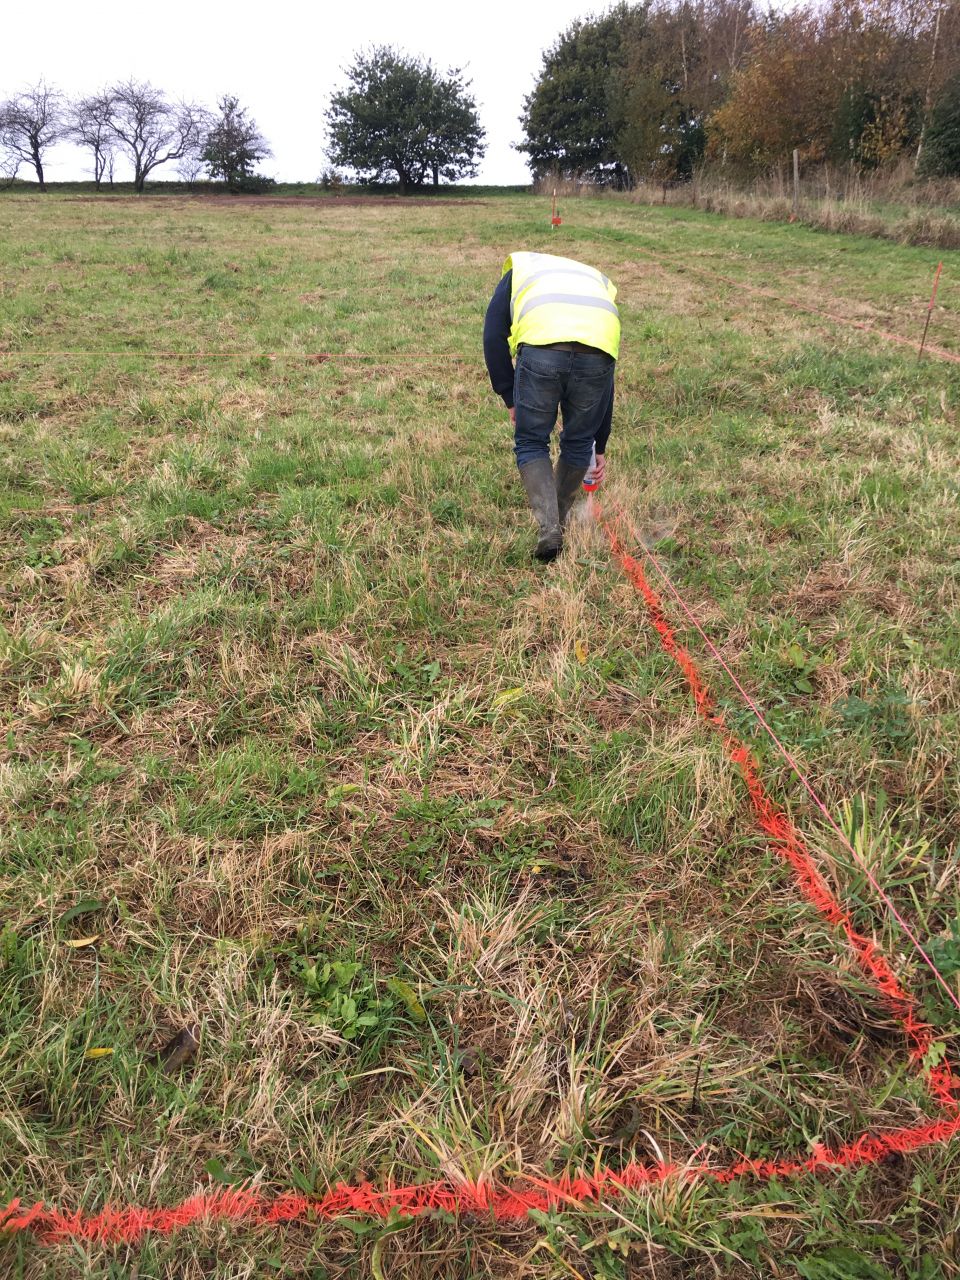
575 116
940 156
399 115
456 140
854 114
233 146
625 96
677 69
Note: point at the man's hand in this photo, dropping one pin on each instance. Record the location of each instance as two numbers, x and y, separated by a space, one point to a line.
513 416
600 468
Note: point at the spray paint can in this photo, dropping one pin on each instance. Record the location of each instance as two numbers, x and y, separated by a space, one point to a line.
590 481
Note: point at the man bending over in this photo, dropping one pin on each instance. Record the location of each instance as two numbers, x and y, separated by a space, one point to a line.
558 319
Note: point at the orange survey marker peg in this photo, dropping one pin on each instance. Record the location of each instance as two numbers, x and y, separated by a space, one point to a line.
930 306
555 218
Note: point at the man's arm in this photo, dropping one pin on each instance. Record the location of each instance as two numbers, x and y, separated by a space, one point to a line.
606 422
496 347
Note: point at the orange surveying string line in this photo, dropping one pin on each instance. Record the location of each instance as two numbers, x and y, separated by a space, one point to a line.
942 1081
833 316
681 268
317 357
805 781
888 334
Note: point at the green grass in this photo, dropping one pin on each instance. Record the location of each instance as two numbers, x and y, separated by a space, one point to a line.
286 700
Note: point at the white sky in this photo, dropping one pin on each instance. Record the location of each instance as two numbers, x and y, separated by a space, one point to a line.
281 59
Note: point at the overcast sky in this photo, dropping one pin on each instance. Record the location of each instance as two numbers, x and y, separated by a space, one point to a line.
281 60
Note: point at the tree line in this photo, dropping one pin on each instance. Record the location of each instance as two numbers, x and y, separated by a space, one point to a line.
137 121
649 90
397 115
645 91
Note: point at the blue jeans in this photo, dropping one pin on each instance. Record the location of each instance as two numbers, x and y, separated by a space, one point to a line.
578 384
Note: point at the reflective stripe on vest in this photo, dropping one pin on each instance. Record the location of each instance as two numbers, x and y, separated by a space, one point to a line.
560 300
574 299
560 271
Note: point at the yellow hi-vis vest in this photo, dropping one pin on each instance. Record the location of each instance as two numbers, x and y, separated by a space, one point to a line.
560 300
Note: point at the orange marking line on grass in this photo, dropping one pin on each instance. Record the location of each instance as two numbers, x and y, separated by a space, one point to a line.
942 1081
503 1203
510 1202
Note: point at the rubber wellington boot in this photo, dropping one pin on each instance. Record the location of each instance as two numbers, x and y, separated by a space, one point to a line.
537 477
568 482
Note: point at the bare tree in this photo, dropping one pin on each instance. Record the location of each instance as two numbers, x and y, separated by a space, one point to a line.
89 126
30 123
190 168
151 130
9 168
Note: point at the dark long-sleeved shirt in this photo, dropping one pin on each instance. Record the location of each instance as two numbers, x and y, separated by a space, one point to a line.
496 353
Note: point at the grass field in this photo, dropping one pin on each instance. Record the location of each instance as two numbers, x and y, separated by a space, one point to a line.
301 749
